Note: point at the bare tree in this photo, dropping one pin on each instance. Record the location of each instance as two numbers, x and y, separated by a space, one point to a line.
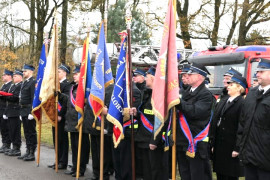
253 12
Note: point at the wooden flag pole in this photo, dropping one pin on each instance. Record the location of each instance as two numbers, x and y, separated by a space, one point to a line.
174 123
101 147
56 95
128 22
174 145
39 139
79 153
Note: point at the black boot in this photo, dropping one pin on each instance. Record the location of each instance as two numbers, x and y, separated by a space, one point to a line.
6 149
31 156
15 151
2 149
25 155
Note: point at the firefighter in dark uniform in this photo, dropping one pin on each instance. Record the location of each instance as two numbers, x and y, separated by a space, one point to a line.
63 143
255 146
195 109
152 151
227 77
29 123
225 126
7 79
122 154
70 126
93 127
139 79
13 114
183 76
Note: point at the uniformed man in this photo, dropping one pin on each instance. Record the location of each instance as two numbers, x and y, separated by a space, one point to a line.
7 80
13 114
195 109
70 126
183 76
29 123
254 81
139 79
63 143
254 147
152 151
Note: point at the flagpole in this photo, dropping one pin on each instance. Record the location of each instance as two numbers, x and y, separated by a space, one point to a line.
56 97
128 22
174 125
101 160
39 139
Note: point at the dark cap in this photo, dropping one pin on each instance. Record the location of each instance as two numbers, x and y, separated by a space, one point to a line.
77 68
264 65
185 68
232 72
139 72
18 72
254 77
151 71
64 67
28 67
240 80
196 68
207 80
8 72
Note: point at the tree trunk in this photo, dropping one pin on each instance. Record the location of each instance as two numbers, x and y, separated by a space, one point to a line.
214 37
234 23
32 30
184 24
243 22
64 32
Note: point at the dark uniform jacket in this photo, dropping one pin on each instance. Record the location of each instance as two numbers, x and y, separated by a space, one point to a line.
63 97
71 114
225 138
5 88
13 107
196 107
255 146
143 136
27 96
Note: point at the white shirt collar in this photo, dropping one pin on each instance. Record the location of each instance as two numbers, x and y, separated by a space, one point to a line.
265 88
7 82
63 80
231 98
193 89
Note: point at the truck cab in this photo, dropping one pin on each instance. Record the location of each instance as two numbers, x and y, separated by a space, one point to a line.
219 59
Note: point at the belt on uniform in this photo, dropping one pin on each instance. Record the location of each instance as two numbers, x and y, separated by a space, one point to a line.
25 105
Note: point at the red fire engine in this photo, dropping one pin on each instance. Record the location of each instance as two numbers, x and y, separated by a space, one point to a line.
219 59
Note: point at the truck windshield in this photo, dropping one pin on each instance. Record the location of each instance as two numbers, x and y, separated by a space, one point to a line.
217 72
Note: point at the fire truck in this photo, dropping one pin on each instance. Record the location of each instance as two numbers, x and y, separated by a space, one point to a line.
219 59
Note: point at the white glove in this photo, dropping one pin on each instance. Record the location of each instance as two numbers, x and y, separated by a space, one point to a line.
105 131
4 116
30 116
21 118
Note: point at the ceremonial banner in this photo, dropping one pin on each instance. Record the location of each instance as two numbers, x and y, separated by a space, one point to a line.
36 111
102 75
84 84
166 90
119 99
50 85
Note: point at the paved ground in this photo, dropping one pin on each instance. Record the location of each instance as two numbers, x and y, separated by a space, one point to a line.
13 169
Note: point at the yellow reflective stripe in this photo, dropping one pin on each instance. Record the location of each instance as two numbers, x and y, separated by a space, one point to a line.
206 139
135 126
148 111
169 133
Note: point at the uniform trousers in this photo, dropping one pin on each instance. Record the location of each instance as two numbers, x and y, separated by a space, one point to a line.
5 131
154 164
95 149
30 133
224 177
193 168
14 124
63 143
122 160
254 173
85 150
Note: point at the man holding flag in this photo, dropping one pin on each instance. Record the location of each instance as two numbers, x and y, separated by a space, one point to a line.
195 113
70 126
